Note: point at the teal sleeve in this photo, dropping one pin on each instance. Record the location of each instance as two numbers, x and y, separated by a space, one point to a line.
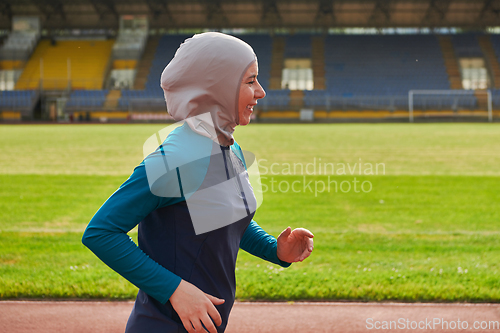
106 236
259 243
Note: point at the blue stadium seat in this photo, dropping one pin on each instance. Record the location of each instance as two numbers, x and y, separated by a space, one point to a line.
382 77
276 98
17 99
394 65
87 99
298 46
466 45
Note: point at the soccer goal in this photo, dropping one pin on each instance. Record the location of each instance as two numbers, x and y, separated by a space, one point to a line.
448 100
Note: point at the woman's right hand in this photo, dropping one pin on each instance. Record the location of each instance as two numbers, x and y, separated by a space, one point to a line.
195 307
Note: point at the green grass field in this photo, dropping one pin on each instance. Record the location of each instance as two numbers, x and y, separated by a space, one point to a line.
428 230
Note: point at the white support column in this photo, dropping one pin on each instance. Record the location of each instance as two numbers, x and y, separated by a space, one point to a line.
410 104
490 107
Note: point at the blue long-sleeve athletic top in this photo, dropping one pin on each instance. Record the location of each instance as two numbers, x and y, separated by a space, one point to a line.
134 203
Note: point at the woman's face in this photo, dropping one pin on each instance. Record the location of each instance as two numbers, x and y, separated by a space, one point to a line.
250 92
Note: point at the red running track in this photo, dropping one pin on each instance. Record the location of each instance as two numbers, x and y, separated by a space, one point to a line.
109 317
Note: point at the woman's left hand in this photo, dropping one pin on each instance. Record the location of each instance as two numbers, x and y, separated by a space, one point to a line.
295 245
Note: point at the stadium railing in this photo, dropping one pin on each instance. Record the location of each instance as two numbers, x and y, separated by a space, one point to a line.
148 101
60 84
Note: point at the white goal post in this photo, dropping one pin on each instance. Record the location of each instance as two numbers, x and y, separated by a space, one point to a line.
411 93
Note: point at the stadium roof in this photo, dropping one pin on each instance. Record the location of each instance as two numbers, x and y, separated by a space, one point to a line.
219 14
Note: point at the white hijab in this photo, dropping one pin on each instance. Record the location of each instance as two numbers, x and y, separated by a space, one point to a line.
205 76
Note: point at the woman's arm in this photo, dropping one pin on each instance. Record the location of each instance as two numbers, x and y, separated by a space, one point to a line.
259 243
106 236
291 245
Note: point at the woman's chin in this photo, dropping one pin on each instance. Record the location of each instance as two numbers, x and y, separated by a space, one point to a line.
246 119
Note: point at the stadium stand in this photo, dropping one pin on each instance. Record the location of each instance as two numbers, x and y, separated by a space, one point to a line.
381 78
16 99
364 67
276 99
129 44
19 45
14 52
277 61
142 99
263 46
394 65
466 45
353 78
495 43
10 70
165 51
86 99
298 46
495 98
17 103
145 63
473 45
295 46
318 62
152 95
11 64
450 62
491 59
50 62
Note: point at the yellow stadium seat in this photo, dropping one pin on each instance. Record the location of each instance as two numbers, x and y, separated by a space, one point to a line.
49 65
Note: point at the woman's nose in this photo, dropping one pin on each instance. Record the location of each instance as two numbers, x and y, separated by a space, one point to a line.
260 93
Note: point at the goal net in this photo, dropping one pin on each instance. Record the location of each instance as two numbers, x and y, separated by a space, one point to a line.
450 103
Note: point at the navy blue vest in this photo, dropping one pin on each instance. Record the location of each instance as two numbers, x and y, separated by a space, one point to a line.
207 260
